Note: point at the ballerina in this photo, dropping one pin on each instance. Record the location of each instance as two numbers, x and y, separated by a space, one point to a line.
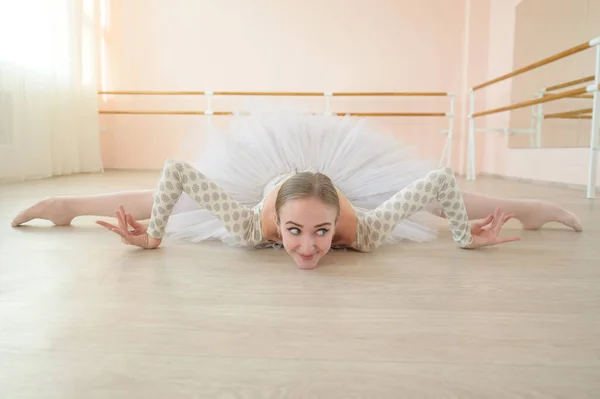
260 199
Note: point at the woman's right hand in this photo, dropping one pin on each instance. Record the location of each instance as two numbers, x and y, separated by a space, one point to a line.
137 237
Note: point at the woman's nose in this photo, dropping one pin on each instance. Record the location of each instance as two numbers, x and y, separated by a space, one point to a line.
308 244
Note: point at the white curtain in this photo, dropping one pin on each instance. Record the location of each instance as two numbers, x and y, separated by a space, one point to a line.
48 84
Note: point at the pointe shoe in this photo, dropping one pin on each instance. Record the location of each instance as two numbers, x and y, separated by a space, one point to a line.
52 209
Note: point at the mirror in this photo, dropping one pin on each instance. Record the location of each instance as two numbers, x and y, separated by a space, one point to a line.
544 28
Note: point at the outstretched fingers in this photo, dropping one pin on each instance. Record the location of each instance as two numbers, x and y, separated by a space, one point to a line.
122 229
484 222
136 236
107 225
495 220
137 226
114 229
501 220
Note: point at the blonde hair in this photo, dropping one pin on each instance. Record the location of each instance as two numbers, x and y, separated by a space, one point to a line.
308 185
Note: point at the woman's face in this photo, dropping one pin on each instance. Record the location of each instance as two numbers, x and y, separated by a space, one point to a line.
306 227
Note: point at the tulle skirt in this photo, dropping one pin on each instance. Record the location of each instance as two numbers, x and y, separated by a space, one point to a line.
249 157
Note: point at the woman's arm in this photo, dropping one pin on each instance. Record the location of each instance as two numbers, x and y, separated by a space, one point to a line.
439 185
178 177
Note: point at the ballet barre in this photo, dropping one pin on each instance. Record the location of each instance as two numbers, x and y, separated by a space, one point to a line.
546 95
570 83
535 65
540 100
446 156
538 115
588 96
535 129
217 113
280 93
574 114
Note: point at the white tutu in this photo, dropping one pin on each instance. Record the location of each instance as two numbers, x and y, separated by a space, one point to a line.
366 165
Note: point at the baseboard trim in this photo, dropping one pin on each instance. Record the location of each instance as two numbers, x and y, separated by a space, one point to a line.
132 170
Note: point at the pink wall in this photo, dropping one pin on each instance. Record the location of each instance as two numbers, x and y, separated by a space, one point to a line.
475 63
500 46
294 45
387 45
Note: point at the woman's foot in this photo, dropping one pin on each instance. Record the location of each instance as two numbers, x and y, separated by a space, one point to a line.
55 210
545 212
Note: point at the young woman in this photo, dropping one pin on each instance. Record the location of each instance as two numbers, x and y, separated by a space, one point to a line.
308 183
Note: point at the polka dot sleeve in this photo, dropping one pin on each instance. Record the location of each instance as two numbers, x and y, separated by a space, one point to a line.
440 185
178 177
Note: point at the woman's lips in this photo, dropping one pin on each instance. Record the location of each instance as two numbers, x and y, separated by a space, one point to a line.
306 257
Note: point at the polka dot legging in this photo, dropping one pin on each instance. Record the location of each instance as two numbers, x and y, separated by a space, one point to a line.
177 177
438 185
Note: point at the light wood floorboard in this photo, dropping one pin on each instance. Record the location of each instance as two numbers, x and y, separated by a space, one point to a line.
83 316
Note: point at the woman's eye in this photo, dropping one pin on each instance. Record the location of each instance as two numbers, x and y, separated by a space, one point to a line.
294 230
322 232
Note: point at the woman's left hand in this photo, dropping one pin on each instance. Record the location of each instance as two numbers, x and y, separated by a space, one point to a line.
485 236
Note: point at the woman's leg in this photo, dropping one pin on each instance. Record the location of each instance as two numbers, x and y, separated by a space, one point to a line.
533 214
62 210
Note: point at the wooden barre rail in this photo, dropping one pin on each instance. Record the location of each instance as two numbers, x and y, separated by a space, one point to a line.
268 93
393 94
576 112
571 117
578 96
141 112
557 56
560 116
571 83
381 114
540 100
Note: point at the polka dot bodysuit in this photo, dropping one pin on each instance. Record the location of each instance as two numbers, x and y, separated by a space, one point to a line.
244 224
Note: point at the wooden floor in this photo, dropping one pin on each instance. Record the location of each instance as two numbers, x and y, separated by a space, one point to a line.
83 316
